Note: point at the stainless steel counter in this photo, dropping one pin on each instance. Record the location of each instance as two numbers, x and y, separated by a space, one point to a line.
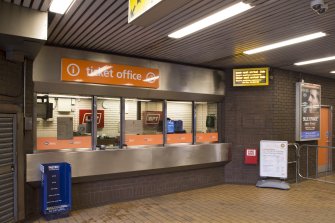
93 163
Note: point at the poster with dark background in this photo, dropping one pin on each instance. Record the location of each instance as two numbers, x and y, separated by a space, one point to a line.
310 111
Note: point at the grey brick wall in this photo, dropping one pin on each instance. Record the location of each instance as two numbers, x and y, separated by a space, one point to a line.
99 192
256 113
11 79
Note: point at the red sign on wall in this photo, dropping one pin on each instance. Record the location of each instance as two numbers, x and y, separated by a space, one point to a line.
85 115
251 156
152 117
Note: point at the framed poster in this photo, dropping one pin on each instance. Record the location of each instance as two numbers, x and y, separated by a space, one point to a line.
273 159
308 108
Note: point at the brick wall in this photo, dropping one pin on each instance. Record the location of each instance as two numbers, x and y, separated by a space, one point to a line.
99 192
266 113
11 80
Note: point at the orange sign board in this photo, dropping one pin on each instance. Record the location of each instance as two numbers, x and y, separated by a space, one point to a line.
135 140
207 137
105 73
179 138
46 143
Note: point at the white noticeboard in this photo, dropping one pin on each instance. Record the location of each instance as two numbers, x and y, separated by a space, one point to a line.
273 158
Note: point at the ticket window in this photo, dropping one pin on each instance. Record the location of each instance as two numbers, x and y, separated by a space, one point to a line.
63 122
143 122
108 122
179 122
206 122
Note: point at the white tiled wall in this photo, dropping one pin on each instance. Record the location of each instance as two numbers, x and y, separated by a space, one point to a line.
112 118
48 128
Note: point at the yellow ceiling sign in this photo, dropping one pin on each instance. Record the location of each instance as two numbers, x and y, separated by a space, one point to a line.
138 7
251 77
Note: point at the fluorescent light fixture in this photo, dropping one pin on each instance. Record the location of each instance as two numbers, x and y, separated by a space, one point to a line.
332 72
60 6
286 43
315 61
211 20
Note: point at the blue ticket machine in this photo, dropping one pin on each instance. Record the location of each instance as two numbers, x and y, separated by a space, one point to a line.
56 190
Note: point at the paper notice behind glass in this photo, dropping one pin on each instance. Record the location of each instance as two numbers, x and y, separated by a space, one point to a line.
64 128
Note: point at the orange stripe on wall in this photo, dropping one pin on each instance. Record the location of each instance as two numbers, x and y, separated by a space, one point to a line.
207 137
136 140
46 143
179 138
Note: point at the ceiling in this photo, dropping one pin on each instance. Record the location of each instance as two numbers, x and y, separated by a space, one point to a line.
101 25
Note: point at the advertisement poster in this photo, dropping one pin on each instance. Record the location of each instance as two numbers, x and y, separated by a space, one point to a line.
308 111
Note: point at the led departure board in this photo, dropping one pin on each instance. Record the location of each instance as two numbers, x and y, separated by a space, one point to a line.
251 77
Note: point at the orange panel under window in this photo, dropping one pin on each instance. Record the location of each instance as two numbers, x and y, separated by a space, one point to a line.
136 140
179 138
45 143
207 137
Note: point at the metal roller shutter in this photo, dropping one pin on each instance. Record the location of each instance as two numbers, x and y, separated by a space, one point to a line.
7 173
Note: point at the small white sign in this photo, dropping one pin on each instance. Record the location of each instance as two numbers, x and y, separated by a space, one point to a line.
273 158
251 152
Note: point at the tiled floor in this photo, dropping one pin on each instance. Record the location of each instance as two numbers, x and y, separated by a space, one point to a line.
306 202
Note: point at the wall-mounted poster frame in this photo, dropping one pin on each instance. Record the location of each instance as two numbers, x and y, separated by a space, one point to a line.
308 107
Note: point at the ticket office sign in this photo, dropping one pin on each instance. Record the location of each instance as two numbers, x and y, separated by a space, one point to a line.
251 77
110 74
273 158
308 110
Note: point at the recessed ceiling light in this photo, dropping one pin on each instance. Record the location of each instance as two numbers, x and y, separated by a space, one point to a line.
211 20
286 43
332 72
60 6
315 61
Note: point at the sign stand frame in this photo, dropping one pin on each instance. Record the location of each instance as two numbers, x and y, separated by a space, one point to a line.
271 151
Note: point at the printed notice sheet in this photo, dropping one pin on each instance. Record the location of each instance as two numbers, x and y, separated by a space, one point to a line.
273 159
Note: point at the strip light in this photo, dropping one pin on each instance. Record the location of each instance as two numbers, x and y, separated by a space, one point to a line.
286 43
324 59
60 6
211 20
332 72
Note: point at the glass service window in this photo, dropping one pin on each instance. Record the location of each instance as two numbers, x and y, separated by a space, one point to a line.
206 122
63 122
179 122
143 122
108 123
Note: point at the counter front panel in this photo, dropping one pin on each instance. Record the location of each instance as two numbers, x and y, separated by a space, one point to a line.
94 163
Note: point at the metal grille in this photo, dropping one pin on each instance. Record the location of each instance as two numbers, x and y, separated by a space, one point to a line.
7 173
